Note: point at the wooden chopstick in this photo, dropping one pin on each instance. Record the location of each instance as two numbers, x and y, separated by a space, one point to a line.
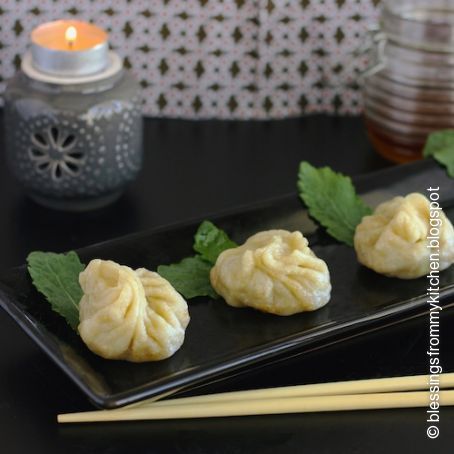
369 386
264 407
337 396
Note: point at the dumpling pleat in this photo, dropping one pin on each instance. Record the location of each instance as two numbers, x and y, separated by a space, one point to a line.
273 271
132 315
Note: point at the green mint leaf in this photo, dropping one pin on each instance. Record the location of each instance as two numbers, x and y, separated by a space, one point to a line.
332 200
56 276
437 141
446 158
190 277
210 241
440 146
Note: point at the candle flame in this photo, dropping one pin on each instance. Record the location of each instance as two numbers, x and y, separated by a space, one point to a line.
71 35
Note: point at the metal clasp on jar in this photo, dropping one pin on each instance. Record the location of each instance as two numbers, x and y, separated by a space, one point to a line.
373 46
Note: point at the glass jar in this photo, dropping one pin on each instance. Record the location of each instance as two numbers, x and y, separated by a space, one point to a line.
409 87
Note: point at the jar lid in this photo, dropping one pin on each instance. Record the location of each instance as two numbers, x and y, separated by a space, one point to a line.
422 24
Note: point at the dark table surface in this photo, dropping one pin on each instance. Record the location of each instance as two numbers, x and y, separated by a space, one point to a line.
192 169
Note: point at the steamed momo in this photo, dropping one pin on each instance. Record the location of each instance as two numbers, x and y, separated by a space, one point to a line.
132 315
273 271
393 241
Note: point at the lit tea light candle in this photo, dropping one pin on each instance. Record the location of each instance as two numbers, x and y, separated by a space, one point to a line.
69 48
71 35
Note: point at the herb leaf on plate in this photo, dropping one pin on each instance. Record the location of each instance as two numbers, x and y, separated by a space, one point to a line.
332 200
440 146
56 276
190 277
210 241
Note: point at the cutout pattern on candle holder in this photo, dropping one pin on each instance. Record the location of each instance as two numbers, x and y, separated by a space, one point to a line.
55 151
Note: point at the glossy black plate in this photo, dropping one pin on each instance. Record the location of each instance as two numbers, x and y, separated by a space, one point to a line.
221 340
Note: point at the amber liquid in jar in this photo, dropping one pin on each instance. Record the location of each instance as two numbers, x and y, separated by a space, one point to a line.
387 144
409 88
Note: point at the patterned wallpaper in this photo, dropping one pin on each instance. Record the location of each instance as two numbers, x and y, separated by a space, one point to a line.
218 58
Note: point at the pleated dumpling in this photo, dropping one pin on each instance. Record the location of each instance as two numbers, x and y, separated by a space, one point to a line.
131 315
273 271
394 240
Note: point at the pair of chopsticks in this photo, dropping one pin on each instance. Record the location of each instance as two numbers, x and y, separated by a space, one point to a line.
395 392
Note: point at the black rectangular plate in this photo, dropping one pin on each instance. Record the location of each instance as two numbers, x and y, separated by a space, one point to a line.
221 340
